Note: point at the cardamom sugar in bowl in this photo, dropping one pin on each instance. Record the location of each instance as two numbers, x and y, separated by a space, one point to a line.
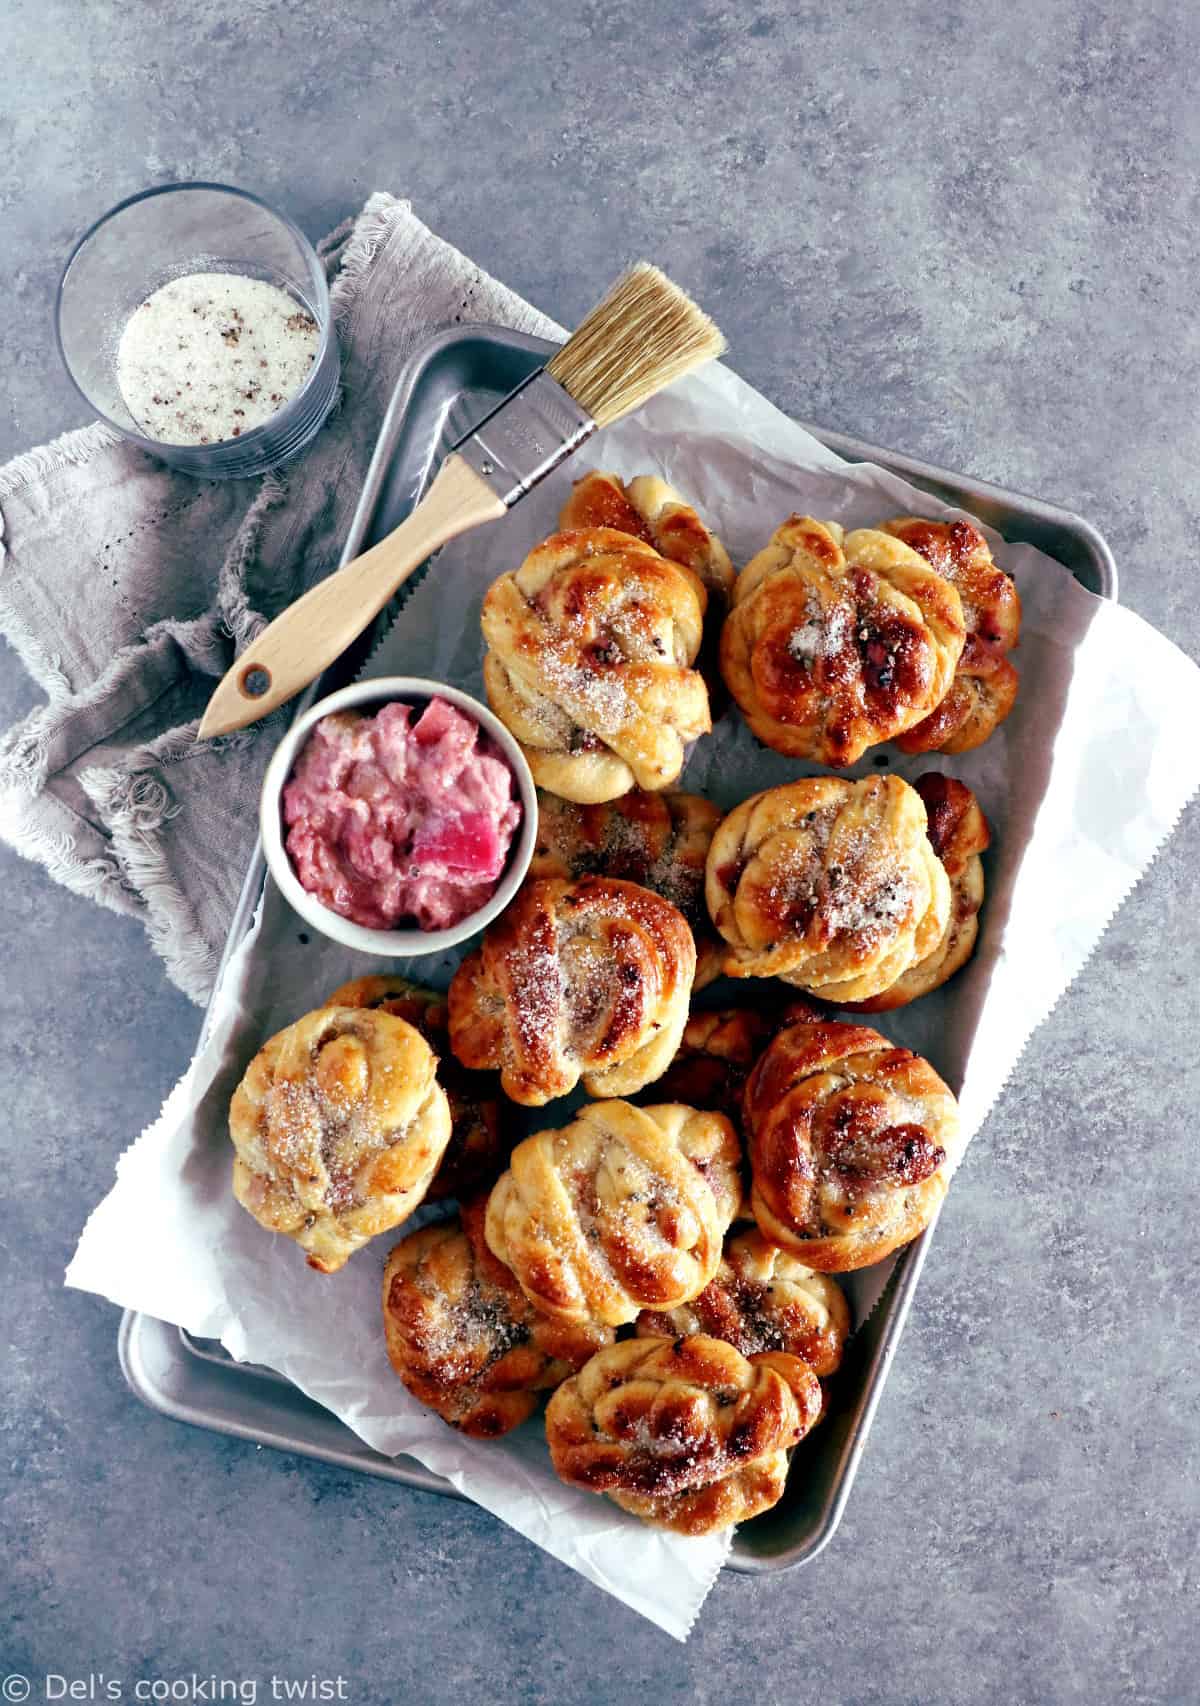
196 320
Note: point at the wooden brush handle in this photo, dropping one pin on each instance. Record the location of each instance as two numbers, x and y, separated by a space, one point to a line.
311 633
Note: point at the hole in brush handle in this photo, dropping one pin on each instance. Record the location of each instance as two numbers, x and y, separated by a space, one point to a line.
254 681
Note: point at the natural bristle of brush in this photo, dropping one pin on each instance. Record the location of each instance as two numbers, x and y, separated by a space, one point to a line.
645 334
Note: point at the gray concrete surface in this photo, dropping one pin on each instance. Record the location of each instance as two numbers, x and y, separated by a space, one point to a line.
966 231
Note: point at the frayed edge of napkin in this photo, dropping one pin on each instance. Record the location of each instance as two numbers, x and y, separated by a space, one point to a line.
135 804
94 875
34 467
350 250
69 450
73 852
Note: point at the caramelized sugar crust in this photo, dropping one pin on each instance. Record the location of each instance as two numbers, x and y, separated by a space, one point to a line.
686 1433
830 885
837 641
621 1210
590 647
462 1335
985 683
851 1141
587 980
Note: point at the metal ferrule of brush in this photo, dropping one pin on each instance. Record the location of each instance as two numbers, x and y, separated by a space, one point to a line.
536 427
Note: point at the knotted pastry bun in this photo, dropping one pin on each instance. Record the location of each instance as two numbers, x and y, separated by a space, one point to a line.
958 834
339 1125
763 1299
622 1210
718 1048
852 1143
588 663
685 1433
653 511
830 885
464 1338
476 1152
658 840
578 980
837 641
984 688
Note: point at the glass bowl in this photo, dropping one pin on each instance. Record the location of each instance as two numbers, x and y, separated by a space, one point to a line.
166 233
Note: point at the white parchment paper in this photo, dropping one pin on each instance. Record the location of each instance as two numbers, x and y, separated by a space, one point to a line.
1081 786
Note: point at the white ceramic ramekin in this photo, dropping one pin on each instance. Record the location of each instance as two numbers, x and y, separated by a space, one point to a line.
393 944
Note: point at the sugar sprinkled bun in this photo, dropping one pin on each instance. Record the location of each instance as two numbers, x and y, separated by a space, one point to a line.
686 1433
590 646
837 641
339 1125
587 980
462 1335
621 1210
852 1143
830 885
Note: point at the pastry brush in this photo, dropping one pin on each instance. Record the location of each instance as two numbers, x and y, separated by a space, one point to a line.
645 333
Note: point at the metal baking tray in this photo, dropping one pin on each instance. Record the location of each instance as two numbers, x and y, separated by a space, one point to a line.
448 385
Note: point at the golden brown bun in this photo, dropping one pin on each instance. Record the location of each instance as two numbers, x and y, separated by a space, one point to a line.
830 885
462 1335
654 512
717 1050
837 641
743 1493
658 840
339 1125
477 1151
763 1299
578 980
589 652
985 683
958 834
852 1143
624 1209
685 1433
978 701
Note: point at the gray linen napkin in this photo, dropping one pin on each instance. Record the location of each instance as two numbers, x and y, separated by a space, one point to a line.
127 588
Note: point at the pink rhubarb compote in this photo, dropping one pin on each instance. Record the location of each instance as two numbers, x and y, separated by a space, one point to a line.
401 817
